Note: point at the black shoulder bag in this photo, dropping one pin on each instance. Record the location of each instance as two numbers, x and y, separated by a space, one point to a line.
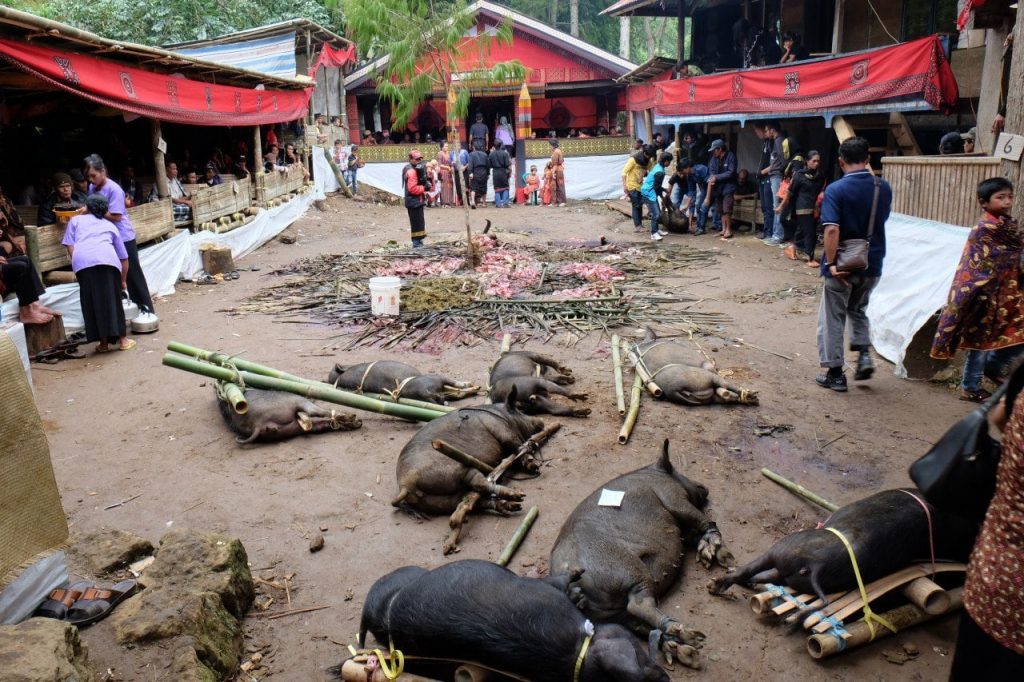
852 255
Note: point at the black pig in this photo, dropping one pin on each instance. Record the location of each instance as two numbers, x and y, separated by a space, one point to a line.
478 611
888 531
275 415
534 395
685 377
433 483
400 380
522 363
631 555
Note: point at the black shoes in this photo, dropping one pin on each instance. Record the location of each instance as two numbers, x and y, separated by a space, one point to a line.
865 366
836 382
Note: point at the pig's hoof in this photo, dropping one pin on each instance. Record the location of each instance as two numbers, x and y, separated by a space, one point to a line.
708 547
579 396
687 655
725 558
675 633
583 412
507 506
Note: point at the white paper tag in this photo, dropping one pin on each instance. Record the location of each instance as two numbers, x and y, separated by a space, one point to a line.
611 498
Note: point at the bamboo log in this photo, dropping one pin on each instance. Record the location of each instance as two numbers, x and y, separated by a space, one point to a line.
309 390
640 367
927 596
634 409
384 397
826 644
235 396
351 671
506 343
471 673
620 398
338 174
461 457
799 490
518 537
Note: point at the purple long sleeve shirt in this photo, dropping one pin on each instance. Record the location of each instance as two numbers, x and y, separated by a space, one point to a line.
96 242
115 200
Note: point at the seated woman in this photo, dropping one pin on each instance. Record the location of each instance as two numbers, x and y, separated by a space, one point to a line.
100 262
59 198
12 230
212 176
17 274
138 288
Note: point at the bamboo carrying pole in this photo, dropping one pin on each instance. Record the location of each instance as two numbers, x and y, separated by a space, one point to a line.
620 397
235 396
799 490
256 368
338 175
351 671
634 409
641 371
518 537
506 343
461 457
927 596
826 644
309 390
471 673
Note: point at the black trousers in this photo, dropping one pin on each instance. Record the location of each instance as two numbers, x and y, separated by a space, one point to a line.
138 288
417 224
807 234
979 657
20 276
100 293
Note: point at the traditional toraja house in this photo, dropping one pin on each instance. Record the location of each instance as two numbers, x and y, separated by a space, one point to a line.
570 86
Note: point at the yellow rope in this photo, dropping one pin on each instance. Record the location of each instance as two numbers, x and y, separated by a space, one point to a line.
579 659
359 388
391 667
870 617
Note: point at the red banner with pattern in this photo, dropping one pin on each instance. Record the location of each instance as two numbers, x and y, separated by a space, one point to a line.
156 95
915 69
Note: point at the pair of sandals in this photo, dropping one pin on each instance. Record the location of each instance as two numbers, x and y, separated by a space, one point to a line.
83 603
128 344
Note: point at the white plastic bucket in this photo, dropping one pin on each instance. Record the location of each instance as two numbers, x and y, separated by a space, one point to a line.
384 295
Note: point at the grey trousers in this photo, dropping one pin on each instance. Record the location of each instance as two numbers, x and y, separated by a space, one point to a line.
839 303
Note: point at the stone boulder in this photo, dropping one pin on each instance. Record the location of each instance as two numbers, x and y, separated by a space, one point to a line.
43 650
102 551
204 563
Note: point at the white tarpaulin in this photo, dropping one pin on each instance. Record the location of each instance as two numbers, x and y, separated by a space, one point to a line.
324 180
586 177
921 257
179 256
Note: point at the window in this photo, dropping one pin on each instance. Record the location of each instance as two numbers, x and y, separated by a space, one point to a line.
926 17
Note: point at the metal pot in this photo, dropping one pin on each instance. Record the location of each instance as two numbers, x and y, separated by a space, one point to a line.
131 310
145 323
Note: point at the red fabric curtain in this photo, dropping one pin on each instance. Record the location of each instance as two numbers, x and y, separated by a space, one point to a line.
332 56
915 69
161 96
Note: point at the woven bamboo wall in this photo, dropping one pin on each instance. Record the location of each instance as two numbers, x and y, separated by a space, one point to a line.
938 188
210 203
278 183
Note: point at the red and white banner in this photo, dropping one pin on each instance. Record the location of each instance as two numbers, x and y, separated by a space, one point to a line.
161 96
917 69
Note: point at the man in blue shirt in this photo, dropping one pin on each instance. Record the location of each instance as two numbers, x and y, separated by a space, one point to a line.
722 185
651 190
845 214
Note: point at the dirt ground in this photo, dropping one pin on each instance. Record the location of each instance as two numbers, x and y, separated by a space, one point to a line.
123 426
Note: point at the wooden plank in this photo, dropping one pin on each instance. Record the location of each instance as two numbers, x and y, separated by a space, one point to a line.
45 249
843 129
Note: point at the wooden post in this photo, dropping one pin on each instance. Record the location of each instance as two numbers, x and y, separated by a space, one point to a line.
649 123
257 163
837 26
159 163
681 33
1015 113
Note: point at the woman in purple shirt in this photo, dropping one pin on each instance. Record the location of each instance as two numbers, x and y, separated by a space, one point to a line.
100 261
138 288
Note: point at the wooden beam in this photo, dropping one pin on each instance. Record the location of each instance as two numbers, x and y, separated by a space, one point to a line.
159 163
844 130
837 26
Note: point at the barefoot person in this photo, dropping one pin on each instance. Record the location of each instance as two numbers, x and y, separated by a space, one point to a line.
100 262
17 274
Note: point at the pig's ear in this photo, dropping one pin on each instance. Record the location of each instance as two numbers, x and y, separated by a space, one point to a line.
511 398
665 461
650 335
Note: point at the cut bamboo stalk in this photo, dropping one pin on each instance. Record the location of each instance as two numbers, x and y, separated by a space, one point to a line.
235 397
620 397
640 367
823 645
634 409
351 671
384 397
799 490
506 343
518 537
927 596
471 673
309 390
461 457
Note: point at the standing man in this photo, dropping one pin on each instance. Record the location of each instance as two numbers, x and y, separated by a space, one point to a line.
479 131
722 185
632 178
783 152
479 170
558 165
848 209
764 184
414 180
501 171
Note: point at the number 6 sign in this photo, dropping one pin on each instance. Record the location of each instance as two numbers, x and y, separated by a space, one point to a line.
1009 147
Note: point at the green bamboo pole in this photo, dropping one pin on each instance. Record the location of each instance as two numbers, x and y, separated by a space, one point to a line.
235 396
256 368
518 537
799 490
310 390
620 397
634 409
460 456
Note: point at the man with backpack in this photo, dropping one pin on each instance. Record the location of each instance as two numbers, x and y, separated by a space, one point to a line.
784 152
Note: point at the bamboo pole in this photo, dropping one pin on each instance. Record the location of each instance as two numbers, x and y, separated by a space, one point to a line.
309 390
518 537
620 398
640 367
634 408
235 397
338 175
256 368
799 490
927 596
826 644
461 457
506 343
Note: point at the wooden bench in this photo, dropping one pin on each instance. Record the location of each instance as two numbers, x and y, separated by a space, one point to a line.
277 184
748 211
151 221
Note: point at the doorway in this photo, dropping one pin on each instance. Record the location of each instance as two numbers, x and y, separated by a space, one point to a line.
493 108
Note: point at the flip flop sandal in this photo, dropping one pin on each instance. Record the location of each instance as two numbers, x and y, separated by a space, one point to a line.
128 345
56 605
108 349
206 279
233 274
96 603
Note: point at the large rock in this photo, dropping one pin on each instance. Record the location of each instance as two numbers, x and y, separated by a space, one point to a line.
106 550
185 667
43 650
169 611
204 563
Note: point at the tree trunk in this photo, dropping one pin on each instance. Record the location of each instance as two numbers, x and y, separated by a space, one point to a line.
649 37
1014 170
554 13
574 18
624 37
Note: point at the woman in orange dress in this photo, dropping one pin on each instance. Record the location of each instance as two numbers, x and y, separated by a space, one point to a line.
444 164
549 183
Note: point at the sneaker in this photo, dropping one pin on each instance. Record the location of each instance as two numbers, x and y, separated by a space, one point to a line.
656 237
417 243
663 232
772 241
835 382
865 367
639 228
699 232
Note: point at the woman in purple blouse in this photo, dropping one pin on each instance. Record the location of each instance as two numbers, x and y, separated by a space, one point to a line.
100 261
138 288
